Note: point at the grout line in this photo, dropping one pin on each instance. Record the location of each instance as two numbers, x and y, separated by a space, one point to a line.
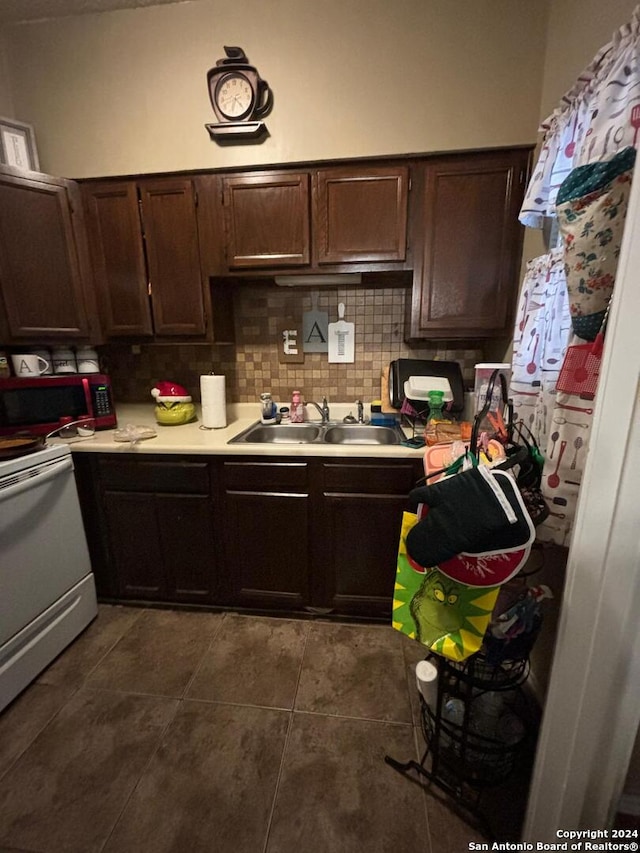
417 741
286 740
278 779
229 704
304 651
74 689
90 671
402 723
120 692
154 752
206 652
18 756
409 667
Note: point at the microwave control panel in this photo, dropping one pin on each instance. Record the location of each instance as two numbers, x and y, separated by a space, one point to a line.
102 401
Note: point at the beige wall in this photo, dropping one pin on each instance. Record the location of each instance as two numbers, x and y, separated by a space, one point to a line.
6 101
125 92
577 30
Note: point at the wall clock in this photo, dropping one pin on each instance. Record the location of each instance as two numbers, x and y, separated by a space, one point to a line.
240 99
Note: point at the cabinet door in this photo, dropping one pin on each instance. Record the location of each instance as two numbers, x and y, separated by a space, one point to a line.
361 550
361 214
40 272
162 546
266 520
267 220
173 256
361 516
471 245
135 545
185 525
267 549
117 254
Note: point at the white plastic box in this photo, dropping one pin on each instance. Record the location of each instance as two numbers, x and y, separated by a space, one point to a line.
483 375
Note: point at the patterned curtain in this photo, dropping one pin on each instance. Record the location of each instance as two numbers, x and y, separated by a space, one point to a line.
596 119
540 342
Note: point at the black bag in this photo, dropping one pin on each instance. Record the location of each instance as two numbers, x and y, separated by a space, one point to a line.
521 451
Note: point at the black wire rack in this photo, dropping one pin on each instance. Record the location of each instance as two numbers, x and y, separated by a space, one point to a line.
460 758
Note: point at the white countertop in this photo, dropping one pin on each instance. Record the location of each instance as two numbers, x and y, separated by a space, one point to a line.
193 439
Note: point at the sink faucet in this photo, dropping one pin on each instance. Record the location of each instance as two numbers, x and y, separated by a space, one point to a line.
360 411
323 410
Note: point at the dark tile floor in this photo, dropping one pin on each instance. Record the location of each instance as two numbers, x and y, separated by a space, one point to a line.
162 731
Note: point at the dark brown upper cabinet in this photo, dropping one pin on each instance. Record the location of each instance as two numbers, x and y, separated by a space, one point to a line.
117 252
360 214
45 280
267 220
144 244
468 244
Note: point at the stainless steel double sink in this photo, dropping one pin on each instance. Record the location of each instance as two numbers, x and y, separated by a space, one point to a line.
310 433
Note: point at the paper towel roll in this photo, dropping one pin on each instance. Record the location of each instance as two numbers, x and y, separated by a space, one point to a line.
214 403
427 682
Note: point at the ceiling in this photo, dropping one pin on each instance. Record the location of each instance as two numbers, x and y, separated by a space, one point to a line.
15 11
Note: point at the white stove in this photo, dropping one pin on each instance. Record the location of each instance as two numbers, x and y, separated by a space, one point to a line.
47 590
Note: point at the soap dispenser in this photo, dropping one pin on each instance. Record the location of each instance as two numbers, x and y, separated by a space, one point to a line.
297 408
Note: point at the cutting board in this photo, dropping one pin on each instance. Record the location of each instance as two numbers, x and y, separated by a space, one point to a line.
341 339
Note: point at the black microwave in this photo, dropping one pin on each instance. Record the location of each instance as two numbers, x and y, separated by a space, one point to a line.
37 405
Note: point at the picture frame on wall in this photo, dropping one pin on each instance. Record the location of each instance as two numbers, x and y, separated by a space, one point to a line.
18 145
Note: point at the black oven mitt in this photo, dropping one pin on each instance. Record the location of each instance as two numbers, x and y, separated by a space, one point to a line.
479 511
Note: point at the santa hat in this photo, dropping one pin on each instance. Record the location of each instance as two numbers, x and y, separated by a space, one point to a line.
170 392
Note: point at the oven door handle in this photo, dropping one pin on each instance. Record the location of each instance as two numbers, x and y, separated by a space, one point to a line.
36 479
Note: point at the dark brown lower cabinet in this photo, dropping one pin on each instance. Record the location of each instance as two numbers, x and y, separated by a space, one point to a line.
267 515
150 526
362 506
285 534
162 545
361 550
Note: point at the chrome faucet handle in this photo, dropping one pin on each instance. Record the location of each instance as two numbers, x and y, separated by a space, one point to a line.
360 411
323 410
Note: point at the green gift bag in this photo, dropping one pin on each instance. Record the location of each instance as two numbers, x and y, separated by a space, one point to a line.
448 617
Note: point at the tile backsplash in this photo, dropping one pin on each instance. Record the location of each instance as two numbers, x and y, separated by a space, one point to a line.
251 365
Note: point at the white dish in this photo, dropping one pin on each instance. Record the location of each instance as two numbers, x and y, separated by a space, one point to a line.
418 387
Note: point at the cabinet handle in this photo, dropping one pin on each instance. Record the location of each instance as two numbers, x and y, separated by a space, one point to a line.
149 288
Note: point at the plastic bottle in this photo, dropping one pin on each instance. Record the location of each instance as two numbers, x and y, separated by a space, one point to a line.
296 414
268 408
436 402
487 708
453 710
